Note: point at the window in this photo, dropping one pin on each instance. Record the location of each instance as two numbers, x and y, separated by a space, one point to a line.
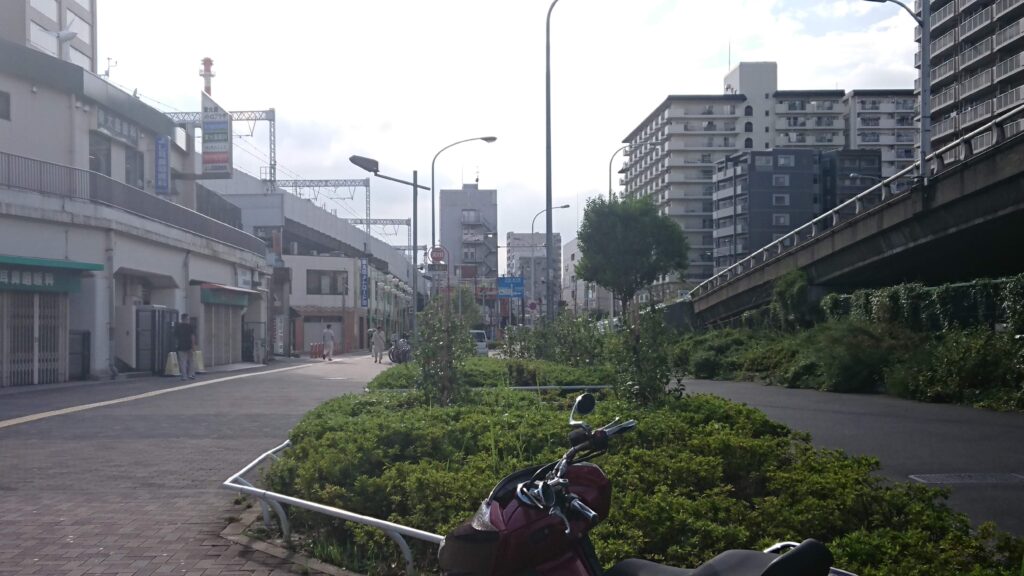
748 143
766 113
327 282
79 58
763 161
780 199
99 153
705 158
48 8
780 219
780 180
134 169
5 105
765 129
786 161
76 24
870 137
748 111
41 38
748 127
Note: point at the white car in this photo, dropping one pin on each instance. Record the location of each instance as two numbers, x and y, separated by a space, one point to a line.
480 341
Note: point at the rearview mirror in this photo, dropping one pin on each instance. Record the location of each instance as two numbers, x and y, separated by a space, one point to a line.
583 405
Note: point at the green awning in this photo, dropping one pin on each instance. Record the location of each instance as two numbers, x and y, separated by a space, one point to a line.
49 263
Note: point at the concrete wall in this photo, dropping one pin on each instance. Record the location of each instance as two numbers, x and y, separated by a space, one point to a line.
45 124
130 248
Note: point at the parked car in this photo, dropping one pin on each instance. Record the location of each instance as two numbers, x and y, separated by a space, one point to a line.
480 341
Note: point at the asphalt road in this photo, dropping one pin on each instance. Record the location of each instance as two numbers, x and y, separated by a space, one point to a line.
133 487
981 447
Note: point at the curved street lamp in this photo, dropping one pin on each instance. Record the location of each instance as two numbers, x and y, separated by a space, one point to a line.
620 149
433 216
547 111
373 167
533 259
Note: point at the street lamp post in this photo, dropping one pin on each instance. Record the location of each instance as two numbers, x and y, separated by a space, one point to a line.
533 258
372 166
610 160
547 110
924 21
433 213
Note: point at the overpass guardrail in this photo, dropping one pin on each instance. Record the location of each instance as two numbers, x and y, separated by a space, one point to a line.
989 135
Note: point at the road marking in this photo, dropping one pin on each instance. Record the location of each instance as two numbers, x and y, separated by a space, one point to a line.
82 407
338 378
969 478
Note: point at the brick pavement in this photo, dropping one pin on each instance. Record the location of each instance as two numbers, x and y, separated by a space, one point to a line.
133 489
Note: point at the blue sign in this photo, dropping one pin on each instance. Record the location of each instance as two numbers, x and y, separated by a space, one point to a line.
364 283
162 166
510 287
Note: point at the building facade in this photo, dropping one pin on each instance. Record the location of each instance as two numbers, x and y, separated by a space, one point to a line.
846 173
812 119
581 297
527 258
883 120
760 196
318 272
64 29
469 232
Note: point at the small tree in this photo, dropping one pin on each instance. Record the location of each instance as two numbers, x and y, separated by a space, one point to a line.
626 245
442 348
464 305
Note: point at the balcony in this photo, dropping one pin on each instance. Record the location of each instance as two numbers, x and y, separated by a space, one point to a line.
947 69
22 173
944 127
1003 7
976 24
942 17
975 53
729 211
735 250
944 99
731 230
976 83
965 4
1009 99
977 114
944 43
1009 67
1008 35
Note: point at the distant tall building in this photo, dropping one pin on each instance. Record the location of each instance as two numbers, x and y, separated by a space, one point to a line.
846 173
673 152
527 258
580 297
37 24
469 231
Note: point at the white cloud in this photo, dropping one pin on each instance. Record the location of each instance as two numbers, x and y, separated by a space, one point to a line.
399 79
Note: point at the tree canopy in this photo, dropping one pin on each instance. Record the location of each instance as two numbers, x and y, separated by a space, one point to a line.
625 245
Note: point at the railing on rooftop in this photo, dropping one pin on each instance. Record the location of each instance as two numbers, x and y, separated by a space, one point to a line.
989 135
23 173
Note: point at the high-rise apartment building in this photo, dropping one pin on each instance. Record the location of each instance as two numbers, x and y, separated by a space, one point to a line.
672 154
469 231
977 64
65 29
883 120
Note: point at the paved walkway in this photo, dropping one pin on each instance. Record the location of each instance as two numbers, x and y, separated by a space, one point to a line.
132 488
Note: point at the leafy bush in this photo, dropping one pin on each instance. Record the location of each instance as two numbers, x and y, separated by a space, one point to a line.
480 372
699 475
571 340
714 354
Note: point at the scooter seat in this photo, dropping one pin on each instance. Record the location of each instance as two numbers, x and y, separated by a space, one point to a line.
810 558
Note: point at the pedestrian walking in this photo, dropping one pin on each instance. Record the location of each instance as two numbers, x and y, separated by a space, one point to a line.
328 340
380 343
185 338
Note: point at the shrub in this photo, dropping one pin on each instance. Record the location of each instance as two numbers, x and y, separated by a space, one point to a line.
1013 303
480 372
835 306
699 475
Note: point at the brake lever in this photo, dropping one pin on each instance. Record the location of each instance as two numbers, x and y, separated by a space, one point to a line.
556 511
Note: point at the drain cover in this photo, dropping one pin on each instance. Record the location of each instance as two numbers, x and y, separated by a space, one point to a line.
968 478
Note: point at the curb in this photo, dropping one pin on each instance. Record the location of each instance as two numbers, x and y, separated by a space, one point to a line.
235 532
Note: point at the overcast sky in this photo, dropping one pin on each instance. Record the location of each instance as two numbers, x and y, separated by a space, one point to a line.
397 80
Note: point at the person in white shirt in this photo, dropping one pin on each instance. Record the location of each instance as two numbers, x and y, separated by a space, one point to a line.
328 339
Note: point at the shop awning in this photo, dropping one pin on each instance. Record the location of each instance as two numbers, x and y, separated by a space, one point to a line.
212 286
49 263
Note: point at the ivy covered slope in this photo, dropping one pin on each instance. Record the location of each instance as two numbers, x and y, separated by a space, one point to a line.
698 476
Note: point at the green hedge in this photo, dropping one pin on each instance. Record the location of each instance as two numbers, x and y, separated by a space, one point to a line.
698 476
480 372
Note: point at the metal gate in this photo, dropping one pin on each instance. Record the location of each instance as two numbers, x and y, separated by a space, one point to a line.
33 338
222 335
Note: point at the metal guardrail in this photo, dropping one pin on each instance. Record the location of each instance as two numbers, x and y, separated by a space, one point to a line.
987 136
273 501
34 175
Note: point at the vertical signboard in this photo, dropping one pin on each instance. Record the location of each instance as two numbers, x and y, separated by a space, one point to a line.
216 123
162 165
364 283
